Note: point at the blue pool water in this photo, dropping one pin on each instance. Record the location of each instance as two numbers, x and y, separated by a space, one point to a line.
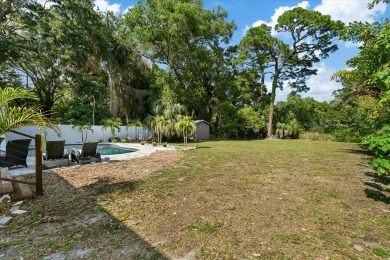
103 149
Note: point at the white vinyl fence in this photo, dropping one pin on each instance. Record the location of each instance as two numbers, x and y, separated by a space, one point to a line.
72 135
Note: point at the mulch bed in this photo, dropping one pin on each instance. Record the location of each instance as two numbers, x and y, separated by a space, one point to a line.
70 220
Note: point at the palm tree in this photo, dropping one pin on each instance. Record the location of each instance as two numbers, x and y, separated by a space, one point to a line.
166 115
81 127
112 124
159 125
134 122
15 117
185 126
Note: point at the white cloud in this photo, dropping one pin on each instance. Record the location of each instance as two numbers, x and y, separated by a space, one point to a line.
128 8
104 5
349 11
278 12
350 44
45 3
321 87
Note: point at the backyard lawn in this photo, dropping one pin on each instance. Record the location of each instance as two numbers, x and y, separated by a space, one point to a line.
271 199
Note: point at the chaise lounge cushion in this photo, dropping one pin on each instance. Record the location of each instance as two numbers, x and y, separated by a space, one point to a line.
55 155
87 154
16 153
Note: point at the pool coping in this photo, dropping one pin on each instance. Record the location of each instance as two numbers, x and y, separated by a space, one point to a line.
141 151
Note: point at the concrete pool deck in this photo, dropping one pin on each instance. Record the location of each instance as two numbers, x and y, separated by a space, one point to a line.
142 151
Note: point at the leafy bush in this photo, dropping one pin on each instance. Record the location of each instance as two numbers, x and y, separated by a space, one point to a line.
250 122
379 143
114 139
100 140
316 136
345 134
164 144
154 143
123 140
225 123
142 142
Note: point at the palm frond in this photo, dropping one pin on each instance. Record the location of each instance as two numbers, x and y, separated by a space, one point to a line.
9 94
12 118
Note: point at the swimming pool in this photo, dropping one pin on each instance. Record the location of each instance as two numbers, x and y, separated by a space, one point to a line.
103 149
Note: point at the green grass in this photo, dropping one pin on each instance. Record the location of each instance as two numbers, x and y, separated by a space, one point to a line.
258 188
271 199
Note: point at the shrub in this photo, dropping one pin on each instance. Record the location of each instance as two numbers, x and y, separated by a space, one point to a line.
316 136
142 142
289 130
379 143
100 140
344 134
123 140
113 140
251 122
164 144
154 143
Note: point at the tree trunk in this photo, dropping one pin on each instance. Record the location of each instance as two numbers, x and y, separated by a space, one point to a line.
112 102
262 84
271 106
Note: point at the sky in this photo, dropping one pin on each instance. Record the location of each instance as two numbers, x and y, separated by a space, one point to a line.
251 13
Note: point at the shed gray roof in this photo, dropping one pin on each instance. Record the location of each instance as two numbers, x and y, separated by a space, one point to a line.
200 121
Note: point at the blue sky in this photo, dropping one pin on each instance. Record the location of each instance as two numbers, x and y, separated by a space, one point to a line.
249 13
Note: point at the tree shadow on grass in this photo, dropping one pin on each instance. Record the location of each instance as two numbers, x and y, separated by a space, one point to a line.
87 224
385 180
105 186
359 151
375 188
203 147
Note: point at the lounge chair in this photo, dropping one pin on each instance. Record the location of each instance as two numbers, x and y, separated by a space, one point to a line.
2 153
56 155
16 153
87 154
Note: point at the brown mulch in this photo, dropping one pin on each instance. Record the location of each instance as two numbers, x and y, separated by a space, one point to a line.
121 171
70 218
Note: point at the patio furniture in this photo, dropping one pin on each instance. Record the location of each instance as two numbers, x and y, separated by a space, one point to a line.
56 155
16 153
2 153
87 154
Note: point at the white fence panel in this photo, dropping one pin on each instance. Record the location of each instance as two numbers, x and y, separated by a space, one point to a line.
72 135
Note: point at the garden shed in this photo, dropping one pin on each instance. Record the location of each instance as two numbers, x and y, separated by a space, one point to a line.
202 131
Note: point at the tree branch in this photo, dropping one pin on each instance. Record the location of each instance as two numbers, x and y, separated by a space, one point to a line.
27 47
5 12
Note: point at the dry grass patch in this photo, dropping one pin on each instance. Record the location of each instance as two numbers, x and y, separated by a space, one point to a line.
70 221
233 199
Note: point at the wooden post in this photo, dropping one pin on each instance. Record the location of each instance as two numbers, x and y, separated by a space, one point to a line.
38 165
